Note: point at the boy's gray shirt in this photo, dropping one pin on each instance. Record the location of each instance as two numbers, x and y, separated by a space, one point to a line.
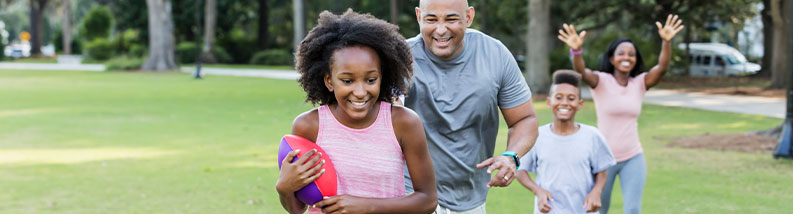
458 101
565 165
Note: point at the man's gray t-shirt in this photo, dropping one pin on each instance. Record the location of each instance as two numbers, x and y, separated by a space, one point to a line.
565 165
458 100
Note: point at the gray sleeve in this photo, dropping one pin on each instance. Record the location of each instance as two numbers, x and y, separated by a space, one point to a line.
601 157
529 161
513 91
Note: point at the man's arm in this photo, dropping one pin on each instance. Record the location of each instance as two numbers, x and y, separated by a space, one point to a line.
522 123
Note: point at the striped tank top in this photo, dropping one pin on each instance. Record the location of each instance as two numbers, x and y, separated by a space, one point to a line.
369 161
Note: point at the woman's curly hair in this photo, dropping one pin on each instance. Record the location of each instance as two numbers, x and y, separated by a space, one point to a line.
334 32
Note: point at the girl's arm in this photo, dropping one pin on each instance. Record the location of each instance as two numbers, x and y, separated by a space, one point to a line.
297 174
576 41
592 202
543 196
667 32
410 133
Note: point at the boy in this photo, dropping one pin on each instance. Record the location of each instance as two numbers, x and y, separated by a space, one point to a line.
569 158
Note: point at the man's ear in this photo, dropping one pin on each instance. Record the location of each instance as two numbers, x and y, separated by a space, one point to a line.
328 83
469 16
418 15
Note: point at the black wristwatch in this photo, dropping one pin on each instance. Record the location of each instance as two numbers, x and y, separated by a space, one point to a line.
514 157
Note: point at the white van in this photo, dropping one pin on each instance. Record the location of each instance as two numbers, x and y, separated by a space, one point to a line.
716 59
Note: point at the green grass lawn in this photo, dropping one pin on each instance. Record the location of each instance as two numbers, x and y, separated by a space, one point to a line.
116 142
244 66
32 60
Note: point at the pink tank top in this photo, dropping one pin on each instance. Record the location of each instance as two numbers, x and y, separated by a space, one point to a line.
368 161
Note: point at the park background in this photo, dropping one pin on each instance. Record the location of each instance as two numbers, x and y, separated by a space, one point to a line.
143 135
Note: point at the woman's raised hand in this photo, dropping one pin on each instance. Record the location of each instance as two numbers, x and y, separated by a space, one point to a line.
570 37
670 28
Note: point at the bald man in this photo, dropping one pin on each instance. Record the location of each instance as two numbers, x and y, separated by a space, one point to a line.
462 79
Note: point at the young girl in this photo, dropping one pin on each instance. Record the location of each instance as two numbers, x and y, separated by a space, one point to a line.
353 65
618 89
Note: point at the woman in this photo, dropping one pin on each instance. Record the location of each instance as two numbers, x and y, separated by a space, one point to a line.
618 89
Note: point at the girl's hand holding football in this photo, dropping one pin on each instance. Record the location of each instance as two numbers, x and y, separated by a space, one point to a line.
299 173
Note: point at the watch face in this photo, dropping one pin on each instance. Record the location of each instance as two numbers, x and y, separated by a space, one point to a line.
514 156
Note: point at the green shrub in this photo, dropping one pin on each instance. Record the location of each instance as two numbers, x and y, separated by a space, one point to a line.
2 51
137 50
129 37
186 53
96 24
124 63
272 57
100 49
240 43
58 42
222 56
125 40
77 46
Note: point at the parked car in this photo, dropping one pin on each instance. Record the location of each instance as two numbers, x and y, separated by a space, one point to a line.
17 50
716 59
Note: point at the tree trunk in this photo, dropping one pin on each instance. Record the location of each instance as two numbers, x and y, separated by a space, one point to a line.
161 41
776 132
299 22
780 72
37 25
66 29
264 33
768 39
537 56
394 9
210 19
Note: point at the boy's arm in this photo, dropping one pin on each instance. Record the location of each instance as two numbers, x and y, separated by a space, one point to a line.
592 202
543 196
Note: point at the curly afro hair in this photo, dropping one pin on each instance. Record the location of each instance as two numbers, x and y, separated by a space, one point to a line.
334 32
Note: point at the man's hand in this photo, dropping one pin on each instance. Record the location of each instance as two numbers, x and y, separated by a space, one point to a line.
506 170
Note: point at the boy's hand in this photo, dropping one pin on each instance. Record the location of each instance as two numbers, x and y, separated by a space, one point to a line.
343 204
301 172
543 199
592 202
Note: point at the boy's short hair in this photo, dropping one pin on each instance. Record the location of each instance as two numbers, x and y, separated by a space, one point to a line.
567 77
